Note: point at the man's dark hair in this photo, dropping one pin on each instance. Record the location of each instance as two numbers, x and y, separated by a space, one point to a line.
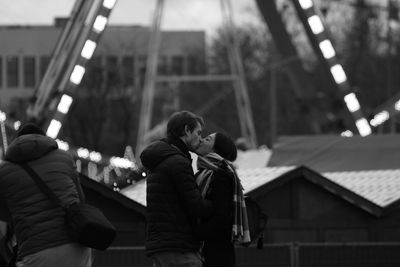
178 120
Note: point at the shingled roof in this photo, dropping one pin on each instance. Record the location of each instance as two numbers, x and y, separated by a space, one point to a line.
328 153
381 187
377 192
136 192
104 191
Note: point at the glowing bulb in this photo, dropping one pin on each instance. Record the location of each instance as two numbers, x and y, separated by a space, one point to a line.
100 23
83 152
77 74
88 49
54 128
397 105
64 104
327 49
17 124
95 156
3 116
305 4
363 127
347 133
109 3
338 74
315 24
352 102
121 163
380 118
62 145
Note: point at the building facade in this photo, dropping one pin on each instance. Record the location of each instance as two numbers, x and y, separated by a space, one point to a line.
120 59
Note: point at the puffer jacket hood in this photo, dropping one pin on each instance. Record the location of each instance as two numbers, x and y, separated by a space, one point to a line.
173 199
156 153
29 147
38 223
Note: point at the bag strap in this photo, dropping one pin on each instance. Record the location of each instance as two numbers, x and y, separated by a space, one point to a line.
41 184
78 188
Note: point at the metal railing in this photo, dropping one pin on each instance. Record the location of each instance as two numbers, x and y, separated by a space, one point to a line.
278 255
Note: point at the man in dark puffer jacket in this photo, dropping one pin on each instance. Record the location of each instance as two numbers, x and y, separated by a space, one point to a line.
38 223
174 202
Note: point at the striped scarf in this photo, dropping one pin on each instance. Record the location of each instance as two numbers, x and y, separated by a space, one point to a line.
207 165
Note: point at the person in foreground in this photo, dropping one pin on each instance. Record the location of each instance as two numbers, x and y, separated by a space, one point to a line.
174 202
38 224
220 184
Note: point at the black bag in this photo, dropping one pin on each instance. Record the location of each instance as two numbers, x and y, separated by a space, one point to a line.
85 224
88 226
11 261
8 248
257 221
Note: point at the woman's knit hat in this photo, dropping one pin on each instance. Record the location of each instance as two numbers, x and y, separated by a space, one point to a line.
225 147
29 128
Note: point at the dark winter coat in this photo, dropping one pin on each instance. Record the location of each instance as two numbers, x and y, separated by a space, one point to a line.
38 223
216 231
174 203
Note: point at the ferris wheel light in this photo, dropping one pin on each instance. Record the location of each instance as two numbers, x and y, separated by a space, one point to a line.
88 49
327 49
100 23
397 105
338 74
54 128
352 102
3 116
77 74
62 145
109 3
305 4
65 103
380 118
363 127
316 24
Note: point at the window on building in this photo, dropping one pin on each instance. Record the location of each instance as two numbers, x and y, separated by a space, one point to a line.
162 65
195 65
177 65
1 72
17 108
128 68
44 62
142 68
29 72
12 71
94 78
112 71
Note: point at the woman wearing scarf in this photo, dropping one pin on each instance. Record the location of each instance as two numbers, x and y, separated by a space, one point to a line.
220 184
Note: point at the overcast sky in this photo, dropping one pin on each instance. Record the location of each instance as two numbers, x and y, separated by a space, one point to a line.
178 14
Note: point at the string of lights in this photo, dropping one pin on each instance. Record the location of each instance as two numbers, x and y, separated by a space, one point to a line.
389 109
79 152
97 27
323 47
